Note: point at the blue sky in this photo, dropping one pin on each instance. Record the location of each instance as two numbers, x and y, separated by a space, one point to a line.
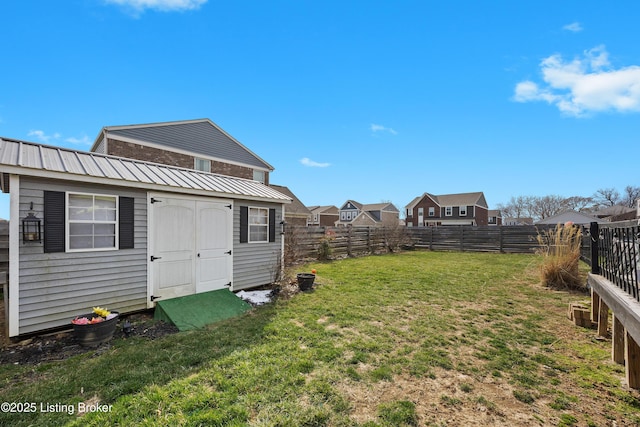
372 101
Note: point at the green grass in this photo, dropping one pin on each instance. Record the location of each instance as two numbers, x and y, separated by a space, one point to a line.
359 350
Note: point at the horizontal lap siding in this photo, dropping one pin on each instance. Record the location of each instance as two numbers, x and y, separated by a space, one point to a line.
254 264
55 287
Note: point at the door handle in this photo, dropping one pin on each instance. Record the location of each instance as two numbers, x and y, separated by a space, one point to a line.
153 258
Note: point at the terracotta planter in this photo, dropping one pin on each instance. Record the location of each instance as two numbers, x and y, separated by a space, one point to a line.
305 281
94 334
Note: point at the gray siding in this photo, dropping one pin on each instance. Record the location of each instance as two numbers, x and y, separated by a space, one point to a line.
254 264
56 287
199 137
101 147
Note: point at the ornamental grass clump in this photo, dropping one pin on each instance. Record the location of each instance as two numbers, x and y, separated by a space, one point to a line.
560 248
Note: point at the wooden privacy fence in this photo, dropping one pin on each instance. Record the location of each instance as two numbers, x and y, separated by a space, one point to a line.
329 242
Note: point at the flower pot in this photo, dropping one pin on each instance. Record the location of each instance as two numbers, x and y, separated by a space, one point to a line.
92 335
305 281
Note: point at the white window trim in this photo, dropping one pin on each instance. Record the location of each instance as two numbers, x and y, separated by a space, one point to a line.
68 222
195 164
463 211
448 211
249 225
261 179
432 211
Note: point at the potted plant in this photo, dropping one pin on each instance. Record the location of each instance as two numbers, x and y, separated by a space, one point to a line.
305 281
93 329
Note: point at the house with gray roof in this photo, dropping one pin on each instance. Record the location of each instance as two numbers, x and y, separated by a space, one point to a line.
124 233
193 144
323 216
296 213
448 209
575 217
353 213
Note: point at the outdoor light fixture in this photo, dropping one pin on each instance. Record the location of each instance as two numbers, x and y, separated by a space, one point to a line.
31 227
282 223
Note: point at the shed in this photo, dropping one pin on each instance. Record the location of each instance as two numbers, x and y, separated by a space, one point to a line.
123 233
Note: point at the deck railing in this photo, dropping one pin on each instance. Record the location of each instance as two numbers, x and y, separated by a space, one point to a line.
615 254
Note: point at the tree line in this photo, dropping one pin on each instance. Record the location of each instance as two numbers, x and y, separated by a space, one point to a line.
541 207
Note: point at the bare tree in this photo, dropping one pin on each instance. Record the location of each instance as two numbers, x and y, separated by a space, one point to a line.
546 206
518 207
578 203
607 197
631 194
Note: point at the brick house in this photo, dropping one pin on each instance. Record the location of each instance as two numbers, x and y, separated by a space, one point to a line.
296 213
323 216
192 144
449 209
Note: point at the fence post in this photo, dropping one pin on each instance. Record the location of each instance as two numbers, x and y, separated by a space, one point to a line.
594 233
462 238
501 239
430 238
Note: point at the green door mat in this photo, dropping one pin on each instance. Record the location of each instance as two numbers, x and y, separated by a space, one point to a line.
198 310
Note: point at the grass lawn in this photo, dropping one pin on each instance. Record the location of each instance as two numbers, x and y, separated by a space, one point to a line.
418 338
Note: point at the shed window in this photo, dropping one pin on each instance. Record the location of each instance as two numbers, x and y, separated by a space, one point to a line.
92 222
258 225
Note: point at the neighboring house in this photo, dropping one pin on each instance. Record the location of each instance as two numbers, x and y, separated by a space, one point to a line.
617 213
448 209
123 233
323 216
495 217
371 215
517 221
574 217
192 144
296 213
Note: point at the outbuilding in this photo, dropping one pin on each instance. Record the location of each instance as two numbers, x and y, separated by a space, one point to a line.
122 233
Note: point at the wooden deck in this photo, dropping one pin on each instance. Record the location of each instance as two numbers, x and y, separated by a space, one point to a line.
606 296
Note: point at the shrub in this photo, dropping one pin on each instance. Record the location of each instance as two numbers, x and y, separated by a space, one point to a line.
560 248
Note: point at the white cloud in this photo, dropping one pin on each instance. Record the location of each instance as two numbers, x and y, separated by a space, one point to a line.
574 27
79 141
308 162
161 5
585 85
379 128
43 137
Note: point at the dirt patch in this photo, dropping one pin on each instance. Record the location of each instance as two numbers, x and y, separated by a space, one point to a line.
62 345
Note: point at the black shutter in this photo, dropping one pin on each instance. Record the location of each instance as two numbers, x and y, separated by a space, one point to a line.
244 224
125 221
54 226
272 225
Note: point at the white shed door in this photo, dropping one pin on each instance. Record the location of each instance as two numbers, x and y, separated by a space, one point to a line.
191 246
214 259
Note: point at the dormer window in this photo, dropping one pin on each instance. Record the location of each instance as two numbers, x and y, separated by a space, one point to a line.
203 165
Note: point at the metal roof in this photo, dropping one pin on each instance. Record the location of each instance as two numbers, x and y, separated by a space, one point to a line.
200 136
28 158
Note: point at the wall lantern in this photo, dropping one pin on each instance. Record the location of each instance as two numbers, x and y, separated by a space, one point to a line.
283 224
31 227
